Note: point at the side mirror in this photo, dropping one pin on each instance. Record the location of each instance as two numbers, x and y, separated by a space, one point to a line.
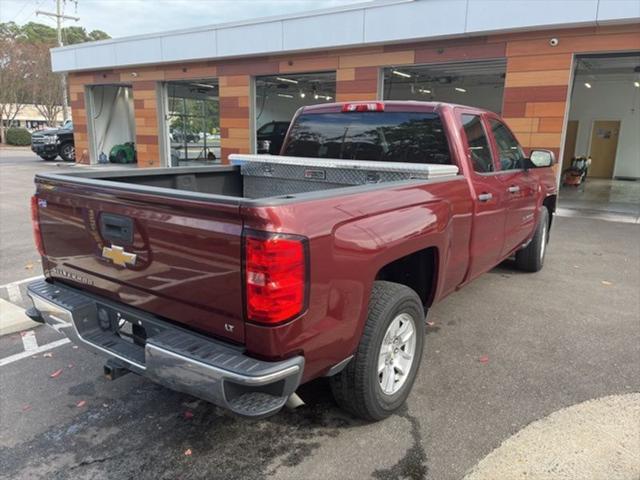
541 158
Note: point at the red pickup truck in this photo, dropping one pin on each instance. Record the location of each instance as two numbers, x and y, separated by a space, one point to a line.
237 283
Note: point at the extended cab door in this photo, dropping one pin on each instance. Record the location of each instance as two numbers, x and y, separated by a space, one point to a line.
489 195
519 186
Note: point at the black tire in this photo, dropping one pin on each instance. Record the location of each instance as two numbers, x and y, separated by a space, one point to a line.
48 159
357 388
68 152
531 257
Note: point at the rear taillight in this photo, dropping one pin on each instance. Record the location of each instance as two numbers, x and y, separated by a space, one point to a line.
275 274
363 107
35 222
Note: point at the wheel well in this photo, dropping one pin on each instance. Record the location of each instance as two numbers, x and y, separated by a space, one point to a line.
416 271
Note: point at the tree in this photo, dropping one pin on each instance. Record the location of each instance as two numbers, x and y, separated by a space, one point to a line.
9 30
34 32
98 35
45 86
14 64
73 35
25 68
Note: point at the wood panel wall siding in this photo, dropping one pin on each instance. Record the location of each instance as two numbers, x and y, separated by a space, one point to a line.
235 131
535 96
320 62
79 111
357 84
146 121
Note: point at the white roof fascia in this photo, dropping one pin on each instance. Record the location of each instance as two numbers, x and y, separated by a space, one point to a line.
360 24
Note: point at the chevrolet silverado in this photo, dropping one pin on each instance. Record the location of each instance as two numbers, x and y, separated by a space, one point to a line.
237 283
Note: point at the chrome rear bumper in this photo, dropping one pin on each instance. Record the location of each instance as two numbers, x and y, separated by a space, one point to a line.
177 358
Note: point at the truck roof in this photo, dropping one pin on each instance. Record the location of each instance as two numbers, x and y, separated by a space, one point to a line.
393 105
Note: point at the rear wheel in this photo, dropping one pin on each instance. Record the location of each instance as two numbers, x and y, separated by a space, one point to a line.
531 257
379 378
68 152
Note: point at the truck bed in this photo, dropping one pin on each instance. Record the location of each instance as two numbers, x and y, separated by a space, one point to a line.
251 177
169 241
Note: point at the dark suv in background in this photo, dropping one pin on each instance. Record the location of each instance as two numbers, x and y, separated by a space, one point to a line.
50 143
270 137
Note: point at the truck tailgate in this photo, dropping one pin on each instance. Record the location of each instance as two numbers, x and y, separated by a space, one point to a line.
177 258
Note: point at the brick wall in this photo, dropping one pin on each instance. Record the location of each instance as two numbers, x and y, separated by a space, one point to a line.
145 101
535 96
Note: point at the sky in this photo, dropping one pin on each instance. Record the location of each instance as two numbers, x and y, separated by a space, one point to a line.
120 18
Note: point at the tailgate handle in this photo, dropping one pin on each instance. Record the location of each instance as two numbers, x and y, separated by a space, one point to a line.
116 228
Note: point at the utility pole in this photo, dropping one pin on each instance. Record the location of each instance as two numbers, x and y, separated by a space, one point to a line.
59 17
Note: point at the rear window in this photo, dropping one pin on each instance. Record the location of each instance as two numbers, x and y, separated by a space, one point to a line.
414 137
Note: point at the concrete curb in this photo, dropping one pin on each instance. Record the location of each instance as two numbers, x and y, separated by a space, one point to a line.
7 147
13 319
596 439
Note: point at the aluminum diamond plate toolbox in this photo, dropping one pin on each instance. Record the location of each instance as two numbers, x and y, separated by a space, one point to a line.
419 170
270 175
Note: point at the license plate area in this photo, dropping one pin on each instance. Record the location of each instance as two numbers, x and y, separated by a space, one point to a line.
122 325
120 333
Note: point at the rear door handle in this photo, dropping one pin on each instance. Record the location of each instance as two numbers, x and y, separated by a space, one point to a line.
513 189
485 197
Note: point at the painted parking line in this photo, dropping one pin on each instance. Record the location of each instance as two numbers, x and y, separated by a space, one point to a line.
28 353
20 282
16 292
29 341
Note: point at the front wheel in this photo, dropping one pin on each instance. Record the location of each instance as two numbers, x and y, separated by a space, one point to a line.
531 257
379 378
68 152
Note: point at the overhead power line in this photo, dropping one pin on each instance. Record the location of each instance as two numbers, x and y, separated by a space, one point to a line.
59 16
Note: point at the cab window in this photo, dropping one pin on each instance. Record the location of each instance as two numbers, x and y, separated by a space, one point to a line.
411 137
266 129
478 143
509 151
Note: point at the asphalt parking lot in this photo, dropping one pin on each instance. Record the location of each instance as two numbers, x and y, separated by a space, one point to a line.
19 258
504 354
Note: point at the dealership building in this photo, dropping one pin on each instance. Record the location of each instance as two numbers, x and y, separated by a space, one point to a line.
564 74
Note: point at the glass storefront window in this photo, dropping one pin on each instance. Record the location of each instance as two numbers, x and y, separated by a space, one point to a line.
193 122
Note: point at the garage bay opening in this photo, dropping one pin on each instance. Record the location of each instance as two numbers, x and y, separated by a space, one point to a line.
601 157
112 123
277 99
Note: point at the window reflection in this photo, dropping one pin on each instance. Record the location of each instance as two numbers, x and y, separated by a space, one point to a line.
411 137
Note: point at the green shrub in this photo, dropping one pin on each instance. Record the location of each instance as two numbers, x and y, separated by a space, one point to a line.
18 136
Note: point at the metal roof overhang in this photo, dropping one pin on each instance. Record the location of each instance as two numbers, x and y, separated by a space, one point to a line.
356 25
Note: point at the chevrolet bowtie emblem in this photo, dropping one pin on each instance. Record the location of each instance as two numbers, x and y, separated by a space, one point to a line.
118 256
